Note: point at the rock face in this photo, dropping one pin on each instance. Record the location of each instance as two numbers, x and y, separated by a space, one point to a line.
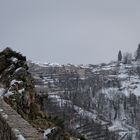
101 102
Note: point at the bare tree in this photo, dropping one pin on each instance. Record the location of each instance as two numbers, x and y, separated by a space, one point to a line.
127 58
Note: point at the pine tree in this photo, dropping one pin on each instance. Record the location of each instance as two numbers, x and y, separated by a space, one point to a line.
120 56
138 53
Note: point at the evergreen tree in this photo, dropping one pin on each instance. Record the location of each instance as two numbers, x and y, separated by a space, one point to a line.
138 53
120 56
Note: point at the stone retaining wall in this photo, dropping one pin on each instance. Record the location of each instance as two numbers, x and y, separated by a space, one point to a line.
13 127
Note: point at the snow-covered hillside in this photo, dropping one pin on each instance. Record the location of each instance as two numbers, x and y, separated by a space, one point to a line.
98 101
121 103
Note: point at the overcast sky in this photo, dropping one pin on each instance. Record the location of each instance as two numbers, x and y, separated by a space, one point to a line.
70 31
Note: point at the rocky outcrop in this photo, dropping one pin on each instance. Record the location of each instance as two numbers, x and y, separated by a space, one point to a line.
17 81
